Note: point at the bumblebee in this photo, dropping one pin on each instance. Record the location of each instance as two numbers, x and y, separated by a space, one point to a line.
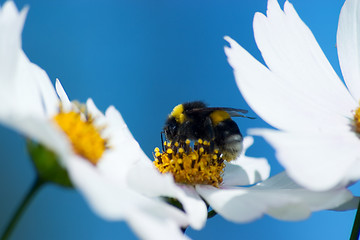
194 120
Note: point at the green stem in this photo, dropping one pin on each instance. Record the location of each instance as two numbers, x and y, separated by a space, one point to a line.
10 227
356 226
211 214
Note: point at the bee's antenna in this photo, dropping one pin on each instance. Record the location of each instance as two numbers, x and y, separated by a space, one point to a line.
162 140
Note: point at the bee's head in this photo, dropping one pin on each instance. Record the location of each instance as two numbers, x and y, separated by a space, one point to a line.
171 128
173 122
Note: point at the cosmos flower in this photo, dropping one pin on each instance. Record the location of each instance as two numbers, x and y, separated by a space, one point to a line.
299 93
278 196
89 144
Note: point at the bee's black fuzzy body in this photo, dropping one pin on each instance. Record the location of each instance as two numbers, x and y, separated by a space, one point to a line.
194 120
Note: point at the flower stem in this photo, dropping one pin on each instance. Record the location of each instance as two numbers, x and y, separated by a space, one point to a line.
211 214
10 227
356 226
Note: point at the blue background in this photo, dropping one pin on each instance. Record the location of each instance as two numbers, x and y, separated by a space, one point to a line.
144 57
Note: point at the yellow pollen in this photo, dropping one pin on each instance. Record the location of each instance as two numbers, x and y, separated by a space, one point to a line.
357 120
219 116
191 166
201 150
178 113
83 135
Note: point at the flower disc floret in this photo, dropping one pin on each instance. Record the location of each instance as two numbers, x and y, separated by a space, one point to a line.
357 120
84 136
191 165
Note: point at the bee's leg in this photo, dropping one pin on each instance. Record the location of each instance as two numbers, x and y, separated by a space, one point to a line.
210 134
212 145
162 141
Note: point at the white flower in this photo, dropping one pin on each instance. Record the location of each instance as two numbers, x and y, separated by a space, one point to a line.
278 196
242 171
301 95
89 144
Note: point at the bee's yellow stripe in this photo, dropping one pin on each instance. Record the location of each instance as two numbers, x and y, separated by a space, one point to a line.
219 116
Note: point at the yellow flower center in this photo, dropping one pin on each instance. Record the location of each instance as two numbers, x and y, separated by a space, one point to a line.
357 120
83 135
191 165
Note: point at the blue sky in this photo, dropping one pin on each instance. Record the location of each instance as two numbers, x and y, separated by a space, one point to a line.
145 57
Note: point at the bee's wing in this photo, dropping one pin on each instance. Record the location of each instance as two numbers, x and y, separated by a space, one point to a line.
233 112
236 114
226 109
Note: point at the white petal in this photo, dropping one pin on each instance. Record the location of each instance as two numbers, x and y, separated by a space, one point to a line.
233 204
123 150
278 104
112 161
114 202
316 161
278 197
113 166
194 206
48 94
284 187
66 104
11 25
119 132
41 130
147 180
291 52
152 228
100 194
20 92
98 117
246 170
348 40
93 110
24 95
352 204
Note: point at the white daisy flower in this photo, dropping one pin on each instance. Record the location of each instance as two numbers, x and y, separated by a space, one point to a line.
278 196
300 94
94 148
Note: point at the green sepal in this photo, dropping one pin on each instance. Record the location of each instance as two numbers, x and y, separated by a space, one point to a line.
174 202
47 164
